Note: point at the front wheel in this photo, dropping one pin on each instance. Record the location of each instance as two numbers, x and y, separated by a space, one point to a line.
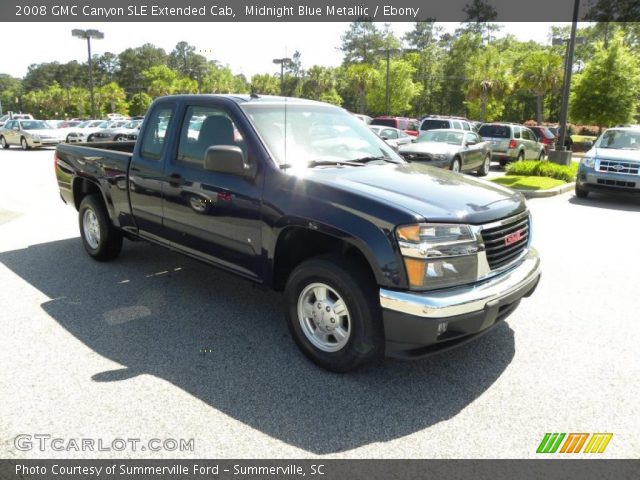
455 165
101 240
486 166
24 144
4 143
581 193
332 313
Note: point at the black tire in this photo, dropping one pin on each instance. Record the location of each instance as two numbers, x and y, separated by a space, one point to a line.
581 193
484 169
90 138
503 163
520 156
358 290
110 240
67 139
24 144
4 143
455 161
541 156
119 138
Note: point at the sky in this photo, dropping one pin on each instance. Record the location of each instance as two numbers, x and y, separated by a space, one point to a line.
247 48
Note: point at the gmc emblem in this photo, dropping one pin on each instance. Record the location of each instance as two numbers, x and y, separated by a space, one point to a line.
513 238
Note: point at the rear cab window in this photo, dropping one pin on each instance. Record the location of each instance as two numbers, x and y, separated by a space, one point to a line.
432 124
155 132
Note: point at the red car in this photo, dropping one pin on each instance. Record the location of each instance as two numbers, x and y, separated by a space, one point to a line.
407 125
546 137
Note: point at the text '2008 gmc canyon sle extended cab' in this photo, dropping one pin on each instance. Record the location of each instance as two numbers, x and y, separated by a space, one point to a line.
375 255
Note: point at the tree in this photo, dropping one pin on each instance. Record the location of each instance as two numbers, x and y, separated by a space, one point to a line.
457 55
362 42
480 16
159 80
402 89
187 63
134 61
541 73
105 67
139 104
111 98
606 92
357 80
320 84
488 80
10 89
265 84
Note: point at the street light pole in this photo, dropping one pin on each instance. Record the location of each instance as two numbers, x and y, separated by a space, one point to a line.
88 35
282 62
567 76
386 91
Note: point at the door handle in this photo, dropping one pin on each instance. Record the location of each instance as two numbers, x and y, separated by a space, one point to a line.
176 180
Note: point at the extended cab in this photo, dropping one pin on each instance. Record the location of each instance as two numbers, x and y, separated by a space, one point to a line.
374 255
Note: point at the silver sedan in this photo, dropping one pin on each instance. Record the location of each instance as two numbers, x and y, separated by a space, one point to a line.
457 150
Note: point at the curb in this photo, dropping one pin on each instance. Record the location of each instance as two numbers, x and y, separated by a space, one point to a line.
552 192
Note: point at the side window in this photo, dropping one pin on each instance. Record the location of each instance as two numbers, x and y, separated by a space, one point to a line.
466 126
204 127
456 124
155 132
8 125
516 132
389 133
526 135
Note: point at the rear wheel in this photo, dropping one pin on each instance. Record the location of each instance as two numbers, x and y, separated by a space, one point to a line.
486 166
4 143
332 313
119 138
24 144
581 193
455 165
101 240
520 156
541 156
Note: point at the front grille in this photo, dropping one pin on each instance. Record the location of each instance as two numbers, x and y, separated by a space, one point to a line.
616 183
615 166
499 253
417 157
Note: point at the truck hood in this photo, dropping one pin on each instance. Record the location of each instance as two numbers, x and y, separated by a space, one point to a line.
428 193
614 154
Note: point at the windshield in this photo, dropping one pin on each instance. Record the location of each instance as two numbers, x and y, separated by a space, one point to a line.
442 136
133 124
495 131
34 125
301 134
620 139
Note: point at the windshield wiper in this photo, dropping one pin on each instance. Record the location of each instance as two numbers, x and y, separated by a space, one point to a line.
372 158
322 163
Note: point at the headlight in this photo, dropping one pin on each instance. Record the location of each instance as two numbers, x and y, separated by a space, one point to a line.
589 162
35 137
439 255
440 156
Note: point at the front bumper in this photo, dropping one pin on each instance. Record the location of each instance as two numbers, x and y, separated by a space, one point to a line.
44 142
419 324
593 180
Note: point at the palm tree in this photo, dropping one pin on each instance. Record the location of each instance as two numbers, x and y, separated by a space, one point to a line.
488 78
541 73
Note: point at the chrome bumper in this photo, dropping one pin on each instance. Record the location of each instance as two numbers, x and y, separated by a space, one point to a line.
463 300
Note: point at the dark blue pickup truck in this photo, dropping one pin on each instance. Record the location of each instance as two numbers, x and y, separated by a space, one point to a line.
375 255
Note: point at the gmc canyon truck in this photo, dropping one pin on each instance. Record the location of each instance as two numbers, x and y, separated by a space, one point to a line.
375 255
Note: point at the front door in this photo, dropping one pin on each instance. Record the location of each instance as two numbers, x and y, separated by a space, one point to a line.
215 216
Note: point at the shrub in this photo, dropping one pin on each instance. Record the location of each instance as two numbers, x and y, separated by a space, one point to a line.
544 168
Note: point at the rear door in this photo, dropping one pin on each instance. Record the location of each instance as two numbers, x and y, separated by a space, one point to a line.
147 171
530 143
10 133
213 215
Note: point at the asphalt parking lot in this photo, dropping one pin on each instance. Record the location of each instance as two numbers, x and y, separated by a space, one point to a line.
155 345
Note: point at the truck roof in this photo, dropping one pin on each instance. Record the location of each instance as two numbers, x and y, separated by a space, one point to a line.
241 98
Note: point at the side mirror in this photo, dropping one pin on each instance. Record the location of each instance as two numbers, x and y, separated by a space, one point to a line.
384 137
468 143
226 159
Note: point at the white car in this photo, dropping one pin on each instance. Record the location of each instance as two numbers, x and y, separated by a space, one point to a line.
393 136
29 134
80 133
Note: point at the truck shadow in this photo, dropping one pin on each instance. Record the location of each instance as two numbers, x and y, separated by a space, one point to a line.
626 203
224 341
